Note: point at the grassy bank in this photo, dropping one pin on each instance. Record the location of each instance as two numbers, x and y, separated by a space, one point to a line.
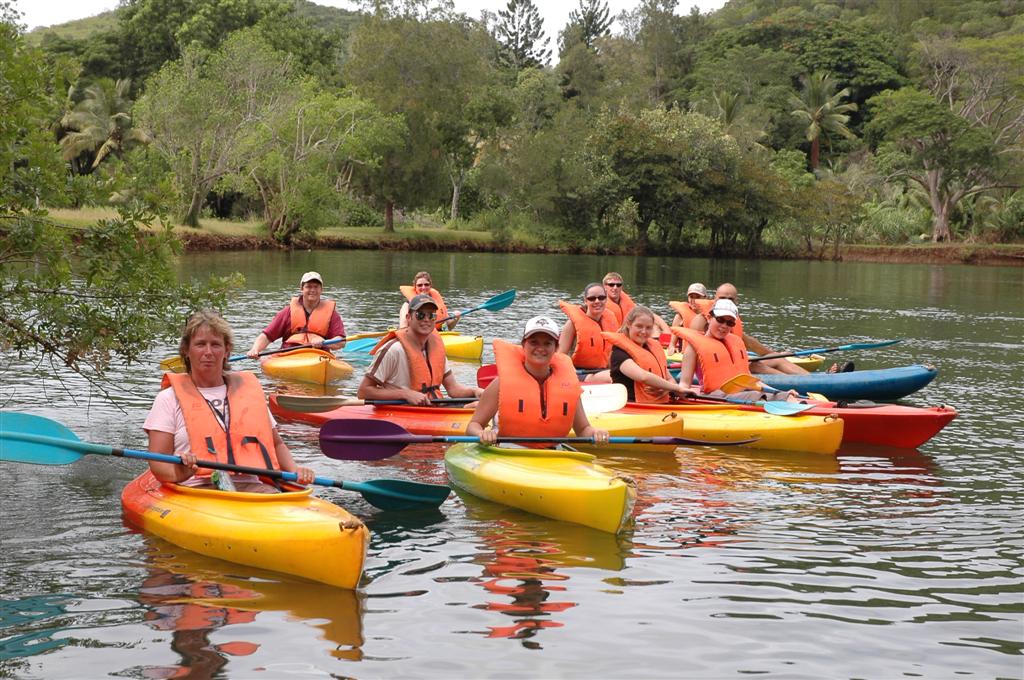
215 234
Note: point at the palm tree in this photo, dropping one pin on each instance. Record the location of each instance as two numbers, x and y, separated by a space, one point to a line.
821 108
100 124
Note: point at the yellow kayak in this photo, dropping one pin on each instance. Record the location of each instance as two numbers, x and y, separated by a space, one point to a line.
459 346
563 485
711 422
621 424
292 533
307 365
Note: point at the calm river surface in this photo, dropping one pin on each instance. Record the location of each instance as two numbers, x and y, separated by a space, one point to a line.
873 563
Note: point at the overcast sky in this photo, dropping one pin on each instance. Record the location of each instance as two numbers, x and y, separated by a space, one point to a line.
555 12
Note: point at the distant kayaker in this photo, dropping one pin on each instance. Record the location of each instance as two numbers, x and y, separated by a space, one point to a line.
410 363
581 335
422 284
537 392
620 303
697 304
309 319
638 360
718 356
213 413
727 292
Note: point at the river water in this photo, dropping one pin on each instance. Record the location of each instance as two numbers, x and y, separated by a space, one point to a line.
872 563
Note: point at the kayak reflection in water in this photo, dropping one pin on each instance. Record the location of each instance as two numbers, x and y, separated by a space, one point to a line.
211 413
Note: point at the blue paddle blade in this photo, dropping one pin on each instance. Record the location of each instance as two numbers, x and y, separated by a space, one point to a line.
14 450
362 345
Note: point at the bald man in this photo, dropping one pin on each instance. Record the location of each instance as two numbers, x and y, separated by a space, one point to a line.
727 291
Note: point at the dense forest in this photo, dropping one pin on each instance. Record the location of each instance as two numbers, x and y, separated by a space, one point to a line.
767 126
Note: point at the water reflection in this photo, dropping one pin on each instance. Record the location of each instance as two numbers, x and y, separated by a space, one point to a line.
193 596
527 563
31 612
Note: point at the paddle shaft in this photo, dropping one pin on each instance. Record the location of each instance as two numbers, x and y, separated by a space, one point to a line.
409 438
822 350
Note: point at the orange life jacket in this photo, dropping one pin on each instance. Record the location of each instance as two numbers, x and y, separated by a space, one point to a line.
442 310
315 328
653 361
718 362
683 310
527 408
250 437
591 349
426 376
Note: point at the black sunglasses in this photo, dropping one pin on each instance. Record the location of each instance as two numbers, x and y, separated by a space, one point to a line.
614 285
594 298
426 315
730 322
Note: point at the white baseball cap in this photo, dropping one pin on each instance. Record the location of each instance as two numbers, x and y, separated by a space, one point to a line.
311 276
541 324
725 308
697 289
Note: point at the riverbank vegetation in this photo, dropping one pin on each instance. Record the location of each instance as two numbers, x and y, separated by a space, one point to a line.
765 128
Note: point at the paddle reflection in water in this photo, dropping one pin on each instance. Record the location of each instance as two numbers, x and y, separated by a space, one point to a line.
527 561
193 597
29 613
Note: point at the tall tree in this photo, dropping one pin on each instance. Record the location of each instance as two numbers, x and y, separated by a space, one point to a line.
520 31
198 108
587 23
100 125
821 108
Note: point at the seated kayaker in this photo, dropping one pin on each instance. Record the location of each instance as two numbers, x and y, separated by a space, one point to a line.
309 319
422 284
638 360
697 304
410 363
536 393
620 303
581 335
213 413
718 356
728 292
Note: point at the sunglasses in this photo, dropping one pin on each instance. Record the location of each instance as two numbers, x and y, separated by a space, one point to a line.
730 322
595 298
423 285
426 315
614 285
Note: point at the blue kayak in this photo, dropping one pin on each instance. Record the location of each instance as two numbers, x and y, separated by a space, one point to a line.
886 384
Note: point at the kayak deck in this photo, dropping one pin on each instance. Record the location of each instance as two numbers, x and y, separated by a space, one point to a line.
292 533
307 365
562 485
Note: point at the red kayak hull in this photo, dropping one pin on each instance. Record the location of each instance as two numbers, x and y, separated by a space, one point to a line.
905 427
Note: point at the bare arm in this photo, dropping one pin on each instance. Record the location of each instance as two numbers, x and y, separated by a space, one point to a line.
699 323
287 463
483 415
582 427
163 442
567 338
456 389
687 367
754 345
403 315
370 388
660 323
631 370
258 345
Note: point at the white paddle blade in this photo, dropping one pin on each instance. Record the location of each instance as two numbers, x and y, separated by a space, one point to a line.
603 398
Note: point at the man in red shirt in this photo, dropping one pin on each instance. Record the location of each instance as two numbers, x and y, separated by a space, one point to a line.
308 319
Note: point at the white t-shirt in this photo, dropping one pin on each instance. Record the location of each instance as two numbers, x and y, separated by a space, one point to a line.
392 367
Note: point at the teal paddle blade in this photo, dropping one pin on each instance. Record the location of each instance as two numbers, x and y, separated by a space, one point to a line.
13 449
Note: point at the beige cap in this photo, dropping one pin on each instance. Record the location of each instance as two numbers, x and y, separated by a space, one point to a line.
311 276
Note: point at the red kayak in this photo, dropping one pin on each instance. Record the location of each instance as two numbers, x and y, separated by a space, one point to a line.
905 427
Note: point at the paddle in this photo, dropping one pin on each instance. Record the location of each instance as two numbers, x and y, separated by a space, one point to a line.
778 408
498 302
310 404
821 350
33 439
177 364
355 439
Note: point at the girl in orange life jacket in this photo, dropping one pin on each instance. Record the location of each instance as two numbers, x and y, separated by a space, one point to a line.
422 284
696 304
638 360
410 364
211 413
581 335
720 355
542 393
309 319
